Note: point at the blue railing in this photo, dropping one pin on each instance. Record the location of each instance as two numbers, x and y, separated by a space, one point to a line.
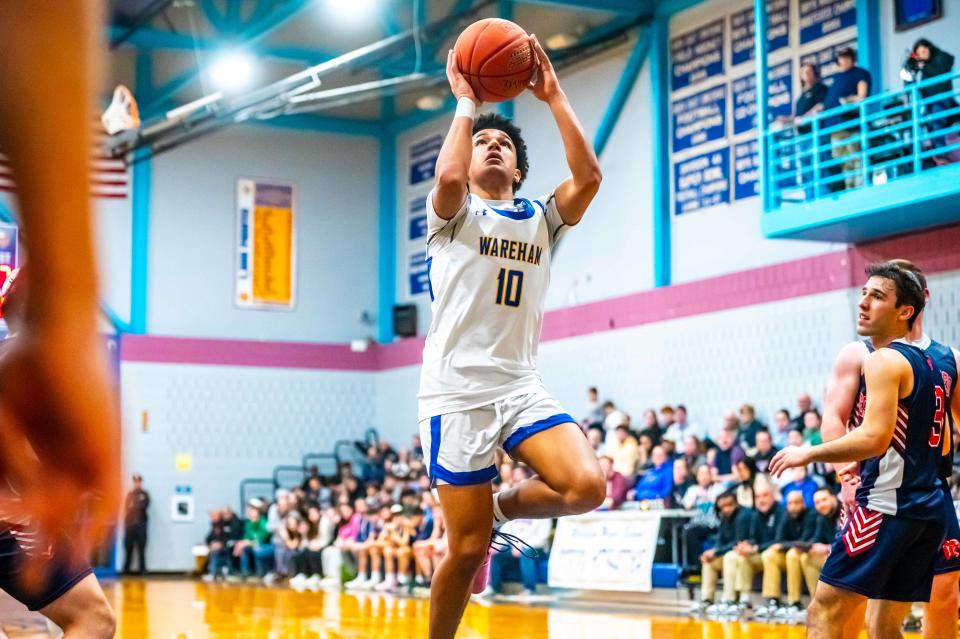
880 139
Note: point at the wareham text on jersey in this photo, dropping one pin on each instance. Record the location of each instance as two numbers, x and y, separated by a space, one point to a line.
510 249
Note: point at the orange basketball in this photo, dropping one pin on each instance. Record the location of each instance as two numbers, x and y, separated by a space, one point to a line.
495 56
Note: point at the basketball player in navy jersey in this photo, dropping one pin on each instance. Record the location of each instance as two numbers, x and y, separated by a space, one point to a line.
843 409
887 550
488 255
59 423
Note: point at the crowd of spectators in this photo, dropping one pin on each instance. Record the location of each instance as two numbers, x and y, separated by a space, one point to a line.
380 527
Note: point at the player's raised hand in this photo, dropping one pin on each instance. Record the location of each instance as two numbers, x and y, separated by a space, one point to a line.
789 457
545 85
458 84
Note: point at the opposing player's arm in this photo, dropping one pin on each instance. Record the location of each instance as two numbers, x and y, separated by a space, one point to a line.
842 391
887 374
576 192
955 406
453 162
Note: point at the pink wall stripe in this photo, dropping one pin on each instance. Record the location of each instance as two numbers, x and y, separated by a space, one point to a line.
935 251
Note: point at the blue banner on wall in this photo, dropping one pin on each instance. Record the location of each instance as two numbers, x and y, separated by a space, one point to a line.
418 218
697 55
826 59
702 181
423 159
700 118
741 30
417 273
819 18
780 79
746 170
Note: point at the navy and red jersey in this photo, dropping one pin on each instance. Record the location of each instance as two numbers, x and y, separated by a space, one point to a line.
945 361
905 480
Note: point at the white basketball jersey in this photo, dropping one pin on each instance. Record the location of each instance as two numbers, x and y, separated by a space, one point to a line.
489 268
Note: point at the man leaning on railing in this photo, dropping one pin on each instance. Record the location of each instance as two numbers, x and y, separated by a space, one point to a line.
850 85
808 104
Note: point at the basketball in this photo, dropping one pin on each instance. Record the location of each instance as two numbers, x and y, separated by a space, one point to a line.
495 56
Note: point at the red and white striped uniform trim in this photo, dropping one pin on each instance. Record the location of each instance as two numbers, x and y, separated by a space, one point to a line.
863 531
899 441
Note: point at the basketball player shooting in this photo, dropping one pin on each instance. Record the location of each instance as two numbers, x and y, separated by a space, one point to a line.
887 550
489 267
59 434
843 410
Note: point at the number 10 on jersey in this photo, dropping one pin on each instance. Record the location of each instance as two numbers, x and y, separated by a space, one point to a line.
509 287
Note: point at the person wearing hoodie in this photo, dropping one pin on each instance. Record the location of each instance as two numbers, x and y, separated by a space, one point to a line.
735 523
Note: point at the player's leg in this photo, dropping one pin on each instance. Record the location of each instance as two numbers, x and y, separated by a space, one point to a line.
468 512
83 612
830 610
940 613
568 482
886 619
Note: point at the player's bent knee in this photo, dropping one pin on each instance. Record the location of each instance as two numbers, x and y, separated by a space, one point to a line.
587 492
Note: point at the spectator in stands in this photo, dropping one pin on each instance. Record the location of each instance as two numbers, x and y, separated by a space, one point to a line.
721 559
384 536
428 552
700 499
279 509
781 427
765 450
682 481
287 545
814 553
416 448
666 418
375 468
397 548
617 485
746 471
353 489
313 471
611 419
315 491
233 529
680 429
850 86
764 524
135 526
748 427
506 473
796 527
254 550
362 546
644 449
804 403
724 457
625 453
693 452
657 482
810 101
595 437
316 533
348 527
536 534
400 469
811 428
595 413
803 483
650 426
218 556
931 61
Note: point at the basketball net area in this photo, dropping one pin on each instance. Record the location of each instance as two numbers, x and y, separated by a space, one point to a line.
122 114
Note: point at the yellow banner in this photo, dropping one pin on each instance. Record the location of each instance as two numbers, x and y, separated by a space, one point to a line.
272 255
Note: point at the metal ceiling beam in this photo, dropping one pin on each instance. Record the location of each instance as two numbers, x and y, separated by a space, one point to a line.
139 21
276 19
628 7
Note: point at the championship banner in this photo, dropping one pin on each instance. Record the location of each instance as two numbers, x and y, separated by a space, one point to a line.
741 30
700 118
819 18
780 98
9 238
605 551
266 245
423 159
746 170
697 55
702 181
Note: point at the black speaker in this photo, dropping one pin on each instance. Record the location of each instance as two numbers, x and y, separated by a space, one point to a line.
405 320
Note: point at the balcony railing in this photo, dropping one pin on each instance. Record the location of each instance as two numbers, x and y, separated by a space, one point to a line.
883 138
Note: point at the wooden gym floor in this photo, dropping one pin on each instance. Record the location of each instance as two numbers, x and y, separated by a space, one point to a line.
185 609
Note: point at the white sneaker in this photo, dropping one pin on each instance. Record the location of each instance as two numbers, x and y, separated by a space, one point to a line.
208 578
387 585
768 610
356 584
700 607
723 609
330 582
373 582
298 581
487 593
313 582
269 579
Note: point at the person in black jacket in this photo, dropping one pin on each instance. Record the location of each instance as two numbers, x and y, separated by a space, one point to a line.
734 528
135 526
795 527
816 547
218 556
764 524
931 61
